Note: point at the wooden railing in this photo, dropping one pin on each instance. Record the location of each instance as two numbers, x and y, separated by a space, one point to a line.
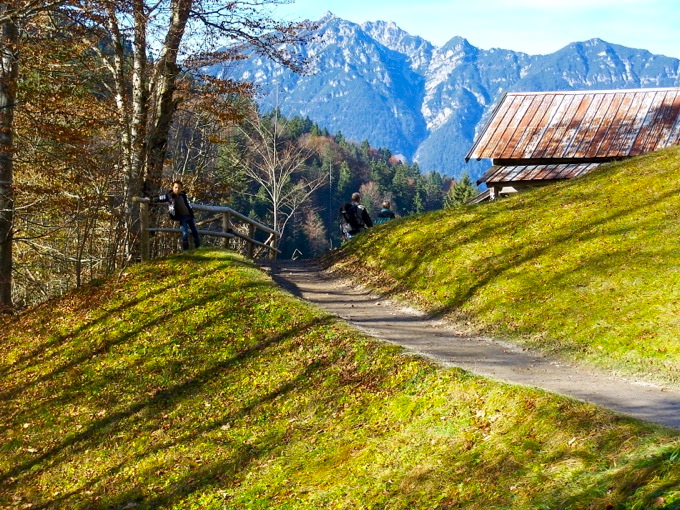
227 216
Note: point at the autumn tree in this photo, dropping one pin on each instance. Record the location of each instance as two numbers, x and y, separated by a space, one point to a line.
13 16
64 170
144 48
149 53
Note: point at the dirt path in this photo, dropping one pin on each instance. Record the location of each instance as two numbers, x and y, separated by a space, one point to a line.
385 320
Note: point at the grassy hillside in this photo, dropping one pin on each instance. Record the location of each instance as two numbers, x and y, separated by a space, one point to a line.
587 269
194 383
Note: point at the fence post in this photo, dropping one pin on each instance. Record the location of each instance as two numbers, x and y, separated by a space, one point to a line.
144 227
226 227
251 235
272 246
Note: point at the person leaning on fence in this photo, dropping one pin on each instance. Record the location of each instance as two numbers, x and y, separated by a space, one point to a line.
354 218
180 209
385 213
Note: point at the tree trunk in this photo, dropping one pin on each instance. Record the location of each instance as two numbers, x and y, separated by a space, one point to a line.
140 115
128 118
164 86
9 73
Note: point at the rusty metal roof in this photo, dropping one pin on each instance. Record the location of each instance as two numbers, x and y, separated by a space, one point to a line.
591 125
515 173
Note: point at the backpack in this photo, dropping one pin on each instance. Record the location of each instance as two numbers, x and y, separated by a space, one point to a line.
350 219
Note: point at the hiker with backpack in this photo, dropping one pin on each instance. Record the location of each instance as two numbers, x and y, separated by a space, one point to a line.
354 218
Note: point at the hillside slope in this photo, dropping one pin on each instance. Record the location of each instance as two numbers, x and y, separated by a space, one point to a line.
588 269
193 382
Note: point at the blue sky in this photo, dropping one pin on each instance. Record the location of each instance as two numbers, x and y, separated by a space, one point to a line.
531 26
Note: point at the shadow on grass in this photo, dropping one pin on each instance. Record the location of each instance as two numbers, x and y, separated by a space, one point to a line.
618 487
35 356
110 342
227 472
100 431
495 266
224 472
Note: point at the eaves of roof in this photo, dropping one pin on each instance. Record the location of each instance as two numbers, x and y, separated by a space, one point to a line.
517 173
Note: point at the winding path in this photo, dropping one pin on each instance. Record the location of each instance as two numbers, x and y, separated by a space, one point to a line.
391 322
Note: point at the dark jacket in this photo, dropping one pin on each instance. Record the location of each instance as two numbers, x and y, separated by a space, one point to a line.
384 215
365 217
354 218
171 199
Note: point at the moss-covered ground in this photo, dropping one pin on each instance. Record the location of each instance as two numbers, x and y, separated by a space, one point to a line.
587 269
193 382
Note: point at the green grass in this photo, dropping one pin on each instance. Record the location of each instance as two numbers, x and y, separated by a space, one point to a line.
587 269
193 382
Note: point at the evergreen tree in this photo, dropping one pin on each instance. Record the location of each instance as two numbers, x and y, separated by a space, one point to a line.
365 149
295 127
460 192
307 125
420 195
434 191
344 180
401 190
382 173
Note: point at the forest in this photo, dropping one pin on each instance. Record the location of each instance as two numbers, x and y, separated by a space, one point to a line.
106 101
328 169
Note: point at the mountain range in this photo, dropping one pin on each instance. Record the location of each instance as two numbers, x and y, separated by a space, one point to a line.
375 82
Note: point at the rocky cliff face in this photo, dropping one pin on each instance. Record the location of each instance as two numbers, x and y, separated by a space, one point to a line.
378 83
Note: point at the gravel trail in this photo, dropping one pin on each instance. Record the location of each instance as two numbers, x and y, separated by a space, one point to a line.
391 322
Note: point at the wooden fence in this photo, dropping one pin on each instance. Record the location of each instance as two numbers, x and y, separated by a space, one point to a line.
228 231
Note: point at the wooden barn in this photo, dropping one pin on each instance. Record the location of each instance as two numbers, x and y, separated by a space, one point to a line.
534 138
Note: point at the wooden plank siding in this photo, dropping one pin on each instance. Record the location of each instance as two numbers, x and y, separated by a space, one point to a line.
639 118
573 126
502 129
586 127
533 116
510 173
555 146
663 126
545 109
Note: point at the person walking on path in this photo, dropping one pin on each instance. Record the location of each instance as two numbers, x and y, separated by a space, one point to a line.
354 218
181 210
385 214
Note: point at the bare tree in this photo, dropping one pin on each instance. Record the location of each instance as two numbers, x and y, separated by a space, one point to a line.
315 232
372 198
277 166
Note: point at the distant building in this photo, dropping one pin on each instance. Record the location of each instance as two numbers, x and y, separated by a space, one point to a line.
534 138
